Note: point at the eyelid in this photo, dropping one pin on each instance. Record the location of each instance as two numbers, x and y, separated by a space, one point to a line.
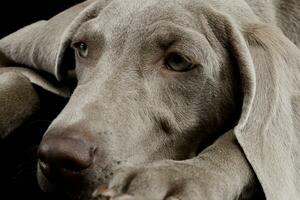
188 55
182 56
79 37
73 44
81 52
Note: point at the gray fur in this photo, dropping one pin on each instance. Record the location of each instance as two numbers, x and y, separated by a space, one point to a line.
149 122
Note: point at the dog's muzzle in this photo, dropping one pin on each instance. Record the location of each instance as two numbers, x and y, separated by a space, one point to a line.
65 159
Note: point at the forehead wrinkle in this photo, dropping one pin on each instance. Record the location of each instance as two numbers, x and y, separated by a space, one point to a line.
141 24
167 12
119 13
116 19
135 15
122 26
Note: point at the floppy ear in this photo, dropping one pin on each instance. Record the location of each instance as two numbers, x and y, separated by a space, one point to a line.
269 126
38 54
44 45
269 130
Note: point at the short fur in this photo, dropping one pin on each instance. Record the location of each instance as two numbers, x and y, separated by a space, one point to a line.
147 122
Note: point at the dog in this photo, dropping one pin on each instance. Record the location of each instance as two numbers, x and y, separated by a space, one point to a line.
175 99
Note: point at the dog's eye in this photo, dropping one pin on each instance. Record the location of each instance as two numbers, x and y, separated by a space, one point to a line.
179 63
81 49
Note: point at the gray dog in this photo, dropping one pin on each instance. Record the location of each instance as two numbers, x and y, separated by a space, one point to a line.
176 99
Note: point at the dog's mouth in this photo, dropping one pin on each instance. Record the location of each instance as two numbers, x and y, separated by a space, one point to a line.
70 186
70 176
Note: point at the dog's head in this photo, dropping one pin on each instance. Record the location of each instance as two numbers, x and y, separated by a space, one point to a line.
156 80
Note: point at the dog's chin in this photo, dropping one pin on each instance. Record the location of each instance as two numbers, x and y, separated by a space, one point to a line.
63 193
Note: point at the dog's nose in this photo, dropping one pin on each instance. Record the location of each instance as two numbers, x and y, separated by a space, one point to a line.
67 157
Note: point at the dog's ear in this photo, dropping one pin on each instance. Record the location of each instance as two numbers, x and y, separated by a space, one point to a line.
44 45
268 128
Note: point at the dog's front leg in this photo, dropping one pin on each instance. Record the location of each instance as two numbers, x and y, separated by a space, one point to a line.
18 101
220 172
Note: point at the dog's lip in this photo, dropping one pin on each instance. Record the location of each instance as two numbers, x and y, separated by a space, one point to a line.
60 174
61 182
45 169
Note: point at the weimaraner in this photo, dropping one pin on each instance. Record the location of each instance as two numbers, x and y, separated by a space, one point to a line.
176 99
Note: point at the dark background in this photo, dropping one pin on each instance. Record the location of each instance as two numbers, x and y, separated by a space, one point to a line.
15 14
18 151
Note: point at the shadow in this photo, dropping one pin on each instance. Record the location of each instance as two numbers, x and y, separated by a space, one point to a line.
18 152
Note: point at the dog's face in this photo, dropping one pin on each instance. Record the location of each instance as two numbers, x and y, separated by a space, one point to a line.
154 82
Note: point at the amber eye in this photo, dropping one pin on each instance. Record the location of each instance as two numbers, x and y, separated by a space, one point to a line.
179 63
81 49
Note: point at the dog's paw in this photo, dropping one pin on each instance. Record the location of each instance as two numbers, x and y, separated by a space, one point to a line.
167 180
